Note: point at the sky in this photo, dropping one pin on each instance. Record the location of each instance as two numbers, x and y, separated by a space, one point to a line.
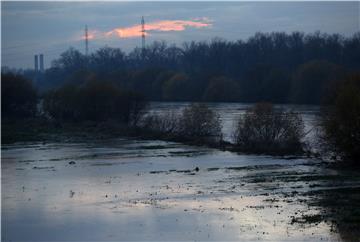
50 28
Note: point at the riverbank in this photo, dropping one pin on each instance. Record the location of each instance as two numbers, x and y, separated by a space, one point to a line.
42 130
45 131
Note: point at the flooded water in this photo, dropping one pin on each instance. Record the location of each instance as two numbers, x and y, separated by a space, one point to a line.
230 112
124 189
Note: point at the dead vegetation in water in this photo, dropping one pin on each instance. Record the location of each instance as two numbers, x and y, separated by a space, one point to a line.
185 171
43 167
307 219
338 207
196 124
265 130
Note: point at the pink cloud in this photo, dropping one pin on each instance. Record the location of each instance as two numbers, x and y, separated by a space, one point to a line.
92 34
162 26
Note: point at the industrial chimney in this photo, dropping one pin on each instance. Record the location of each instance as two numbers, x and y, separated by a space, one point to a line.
41 62
36 63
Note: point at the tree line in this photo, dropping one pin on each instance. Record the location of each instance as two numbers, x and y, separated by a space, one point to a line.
267 67
262 129
273 68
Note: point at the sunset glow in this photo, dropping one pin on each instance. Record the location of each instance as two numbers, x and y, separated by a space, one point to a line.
161 26
92 34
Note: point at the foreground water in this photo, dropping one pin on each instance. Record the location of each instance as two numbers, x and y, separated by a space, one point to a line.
124 189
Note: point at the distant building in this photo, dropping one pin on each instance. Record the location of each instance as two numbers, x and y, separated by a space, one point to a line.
41 62
36 63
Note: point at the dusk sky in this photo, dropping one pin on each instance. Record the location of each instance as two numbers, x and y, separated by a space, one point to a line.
30 28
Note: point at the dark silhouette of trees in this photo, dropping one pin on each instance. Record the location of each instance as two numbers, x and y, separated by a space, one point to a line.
351 51
263 129
106 60
222 89
176 88
71 60
340 121
61 104
143 81
274 67
275 85
265 83
310 81
18 97
97 101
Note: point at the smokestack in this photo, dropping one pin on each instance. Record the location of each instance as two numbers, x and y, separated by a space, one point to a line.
36 65
41 62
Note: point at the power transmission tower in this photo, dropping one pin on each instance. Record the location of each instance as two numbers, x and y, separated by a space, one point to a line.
86 41
143 33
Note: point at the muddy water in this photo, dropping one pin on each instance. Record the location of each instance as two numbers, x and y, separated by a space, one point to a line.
151 190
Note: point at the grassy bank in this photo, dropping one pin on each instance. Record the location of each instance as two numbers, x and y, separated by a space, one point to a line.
44 131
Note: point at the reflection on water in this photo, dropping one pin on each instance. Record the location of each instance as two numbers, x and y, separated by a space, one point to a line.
127 189
151 190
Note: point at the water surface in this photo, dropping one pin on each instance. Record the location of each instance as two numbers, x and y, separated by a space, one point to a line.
127 189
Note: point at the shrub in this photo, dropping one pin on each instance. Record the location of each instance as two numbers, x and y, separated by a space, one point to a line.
199 123
262 129
196 123
164 125
18 97
340 122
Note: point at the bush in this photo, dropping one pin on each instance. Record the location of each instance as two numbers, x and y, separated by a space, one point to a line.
18 97
196 123
199 123
96 101
162 125
262 129
340 122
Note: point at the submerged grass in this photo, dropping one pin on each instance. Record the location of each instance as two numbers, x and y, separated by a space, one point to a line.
340 207
307 219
